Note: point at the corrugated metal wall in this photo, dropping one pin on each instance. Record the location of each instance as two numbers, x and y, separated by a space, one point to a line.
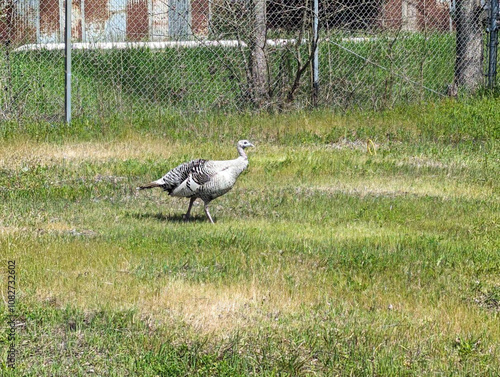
42 21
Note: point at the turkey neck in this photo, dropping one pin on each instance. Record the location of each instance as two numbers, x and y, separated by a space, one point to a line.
242 153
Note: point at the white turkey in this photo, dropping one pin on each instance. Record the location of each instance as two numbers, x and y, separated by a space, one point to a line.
204 179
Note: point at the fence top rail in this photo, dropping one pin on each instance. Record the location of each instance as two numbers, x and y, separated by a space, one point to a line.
128 45
280 42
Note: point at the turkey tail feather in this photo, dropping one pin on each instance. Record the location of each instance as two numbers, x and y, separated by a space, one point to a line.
149 186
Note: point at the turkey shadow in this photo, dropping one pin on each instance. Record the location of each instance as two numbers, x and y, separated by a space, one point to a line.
178 218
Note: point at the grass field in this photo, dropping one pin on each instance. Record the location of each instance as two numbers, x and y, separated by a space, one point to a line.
358 244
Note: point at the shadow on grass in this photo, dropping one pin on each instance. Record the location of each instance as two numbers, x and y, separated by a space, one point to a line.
177 218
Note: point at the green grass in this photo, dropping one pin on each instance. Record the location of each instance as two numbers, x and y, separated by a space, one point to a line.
387 70
327 258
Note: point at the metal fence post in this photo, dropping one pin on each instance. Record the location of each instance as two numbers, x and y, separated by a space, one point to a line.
67 63
316 54
493 43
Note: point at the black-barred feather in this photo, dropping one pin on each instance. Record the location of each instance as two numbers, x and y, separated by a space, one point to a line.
179 174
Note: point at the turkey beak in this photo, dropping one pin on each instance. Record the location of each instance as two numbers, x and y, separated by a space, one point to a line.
251 145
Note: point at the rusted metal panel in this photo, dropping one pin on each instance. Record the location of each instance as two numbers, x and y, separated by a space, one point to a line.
96 14
435 15
391 14
41 21
137 20
50 20
200 15
430 15
18 22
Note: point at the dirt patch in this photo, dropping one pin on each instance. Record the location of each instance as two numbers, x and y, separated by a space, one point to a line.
14 156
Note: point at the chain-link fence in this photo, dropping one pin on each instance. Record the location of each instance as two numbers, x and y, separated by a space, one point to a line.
141 57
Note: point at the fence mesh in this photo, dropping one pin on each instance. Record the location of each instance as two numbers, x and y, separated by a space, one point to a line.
151 56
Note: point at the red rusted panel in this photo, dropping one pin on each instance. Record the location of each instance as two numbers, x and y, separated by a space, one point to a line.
433 15
7 22
18 24
15 25
137 20
391 14
199 16
49 16
96 11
